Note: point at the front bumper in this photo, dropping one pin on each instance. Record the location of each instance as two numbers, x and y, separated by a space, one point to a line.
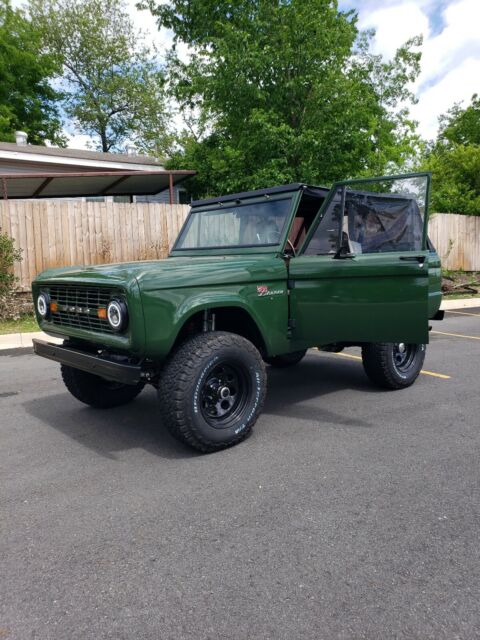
91 363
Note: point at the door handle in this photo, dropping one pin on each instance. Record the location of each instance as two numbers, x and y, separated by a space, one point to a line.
419 259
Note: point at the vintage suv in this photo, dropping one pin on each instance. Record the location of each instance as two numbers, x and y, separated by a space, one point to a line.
253 278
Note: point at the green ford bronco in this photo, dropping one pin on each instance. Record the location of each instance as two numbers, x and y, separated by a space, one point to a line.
253 278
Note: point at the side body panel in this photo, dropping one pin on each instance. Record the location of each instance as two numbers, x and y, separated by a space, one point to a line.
368 298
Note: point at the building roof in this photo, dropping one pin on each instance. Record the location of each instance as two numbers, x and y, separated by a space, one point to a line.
91 183
57 153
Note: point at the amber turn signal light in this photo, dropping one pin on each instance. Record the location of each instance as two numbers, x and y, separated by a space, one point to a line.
53 307
102 313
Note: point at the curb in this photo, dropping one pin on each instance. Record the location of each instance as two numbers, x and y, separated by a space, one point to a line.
461 303
24 340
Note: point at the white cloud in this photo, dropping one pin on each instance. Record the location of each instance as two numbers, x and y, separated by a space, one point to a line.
457 85
395 25
450 54
79 141
455 44
145 22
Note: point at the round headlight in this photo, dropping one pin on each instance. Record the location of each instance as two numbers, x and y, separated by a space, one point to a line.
43 305
117 315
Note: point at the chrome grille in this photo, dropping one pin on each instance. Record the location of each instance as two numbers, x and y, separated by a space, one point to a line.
77 306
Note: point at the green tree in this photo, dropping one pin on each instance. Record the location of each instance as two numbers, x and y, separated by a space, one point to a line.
277 91
454 160
461 125
113 84
27 101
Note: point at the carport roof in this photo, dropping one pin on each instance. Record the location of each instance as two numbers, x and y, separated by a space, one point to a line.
89 183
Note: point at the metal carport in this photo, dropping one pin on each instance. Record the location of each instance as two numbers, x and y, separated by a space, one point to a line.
90 184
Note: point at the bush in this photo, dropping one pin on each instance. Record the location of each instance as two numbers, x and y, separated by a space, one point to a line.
8 256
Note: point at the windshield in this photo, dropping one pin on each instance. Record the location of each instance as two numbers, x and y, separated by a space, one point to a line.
235 225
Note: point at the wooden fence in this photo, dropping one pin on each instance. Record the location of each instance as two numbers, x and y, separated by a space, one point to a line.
457 240
60 233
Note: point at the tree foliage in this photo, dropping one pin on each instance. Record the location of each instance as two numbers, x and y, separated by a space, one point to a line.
27 101
455 161
461 125
276 91
113 85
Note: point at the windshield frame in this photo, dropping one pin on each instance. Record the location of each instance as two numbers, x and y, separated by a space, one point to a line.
272 248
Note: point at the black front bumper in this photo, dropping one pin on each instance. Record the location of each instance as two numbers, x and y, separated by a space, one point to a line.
91 363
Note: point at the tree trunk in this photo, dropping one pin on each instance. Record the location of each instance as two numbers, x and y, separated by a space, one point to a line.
103 137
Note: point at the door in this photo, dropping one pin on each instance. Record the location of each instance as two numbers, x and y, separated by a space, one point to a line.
362 273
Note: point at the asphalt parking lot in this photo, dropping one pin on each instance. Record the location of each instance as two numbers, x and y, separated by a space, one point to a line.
350 513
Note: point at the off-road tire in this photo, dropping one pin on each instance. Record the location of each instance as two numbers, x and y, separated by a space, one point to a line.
286 360
380 361
185 390
96 391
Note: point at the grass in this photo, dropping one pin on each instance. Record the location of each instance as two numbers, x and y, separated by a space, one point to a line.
459 296
25 324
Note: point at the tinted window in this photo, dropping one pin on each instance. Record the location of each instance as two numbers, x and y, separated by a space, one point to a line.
378 216
381 223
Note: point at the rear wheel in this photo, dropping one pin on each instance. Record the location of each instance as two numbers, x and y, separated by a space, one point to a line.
212 390
286 360
96 391
393 365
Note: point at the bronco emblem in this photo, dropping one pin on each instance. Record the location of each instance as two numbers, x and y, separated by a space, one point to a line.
264 290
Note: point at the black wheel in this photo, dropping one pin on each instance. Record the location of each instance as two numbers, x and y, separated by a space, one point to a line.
393 365
286 360
96 391
212 390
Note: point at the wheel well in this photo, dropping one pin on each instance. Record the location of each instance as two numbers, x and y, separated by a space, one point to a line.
233 319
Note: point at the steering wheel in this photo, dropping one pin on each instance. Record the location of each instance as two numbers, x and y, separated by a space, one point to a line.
292 248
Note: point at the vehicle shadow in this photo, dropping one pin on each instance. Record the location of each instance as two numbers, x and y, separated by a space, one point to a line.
139 424
290 389
108 431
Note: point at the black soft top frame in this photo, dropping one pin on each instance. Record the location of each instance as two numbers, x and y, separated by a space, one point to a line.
319 192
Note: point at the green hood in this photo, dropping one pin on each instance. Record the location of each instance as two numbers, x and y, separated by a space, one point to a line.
174 272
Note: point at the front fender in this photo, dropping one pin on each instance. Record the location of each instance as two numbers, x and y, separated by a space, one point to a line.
166 312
